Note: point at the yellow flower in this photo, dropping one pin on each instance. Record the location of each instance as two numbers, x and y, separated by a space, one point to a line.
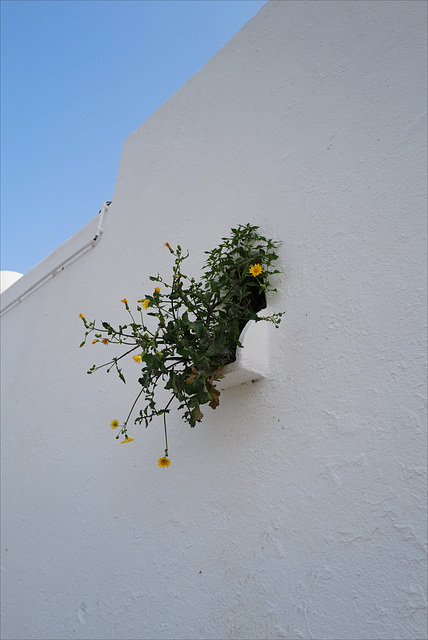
164 462
256 269
104 341
81 316
125 301
157 290
94 341
114 424
146 303
137 359
168 245
127 440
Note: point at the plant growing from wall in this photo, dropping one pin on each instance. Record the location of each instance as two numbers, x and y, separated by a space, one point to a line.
185 331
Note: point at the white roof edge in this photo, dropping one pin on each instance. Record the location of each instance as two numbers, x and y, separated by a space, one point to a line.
55 262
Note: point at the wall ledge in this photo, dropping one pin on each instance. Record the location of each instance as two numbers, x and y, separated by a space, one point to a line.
251 361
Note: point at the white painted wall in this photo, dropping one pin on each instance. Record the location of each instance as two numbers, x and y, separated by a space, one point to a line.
297 509
8 278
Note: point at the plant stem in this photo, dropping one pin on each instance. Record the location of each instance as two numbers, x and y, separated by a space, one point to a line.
132 408
166 437
164 425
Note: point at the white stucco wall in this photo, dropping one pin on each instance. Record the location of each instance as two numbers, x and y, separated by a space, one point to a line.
297 508
7 278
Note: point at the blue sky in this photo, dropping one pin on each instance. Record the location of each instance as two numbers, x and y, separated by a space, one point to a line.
78 77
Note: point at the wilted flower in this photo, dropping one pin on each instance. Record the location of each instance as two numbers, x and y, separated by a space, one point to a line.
164 462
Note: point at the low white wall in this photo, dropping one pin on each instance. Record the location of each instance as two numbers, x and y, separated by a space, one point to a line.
296 509
7 278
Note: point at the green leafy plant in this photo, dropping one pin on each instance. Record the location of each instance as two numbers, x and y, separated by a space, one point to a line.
196 328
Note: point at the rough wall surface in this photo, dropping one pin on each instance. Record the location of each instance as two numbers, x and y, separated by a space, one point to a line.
297 509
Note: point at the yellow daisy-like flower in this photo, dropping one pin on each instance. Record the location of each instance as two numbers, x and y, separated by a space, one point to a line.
104 341
146 303
163 462
94 341
114 424
81 316
125 301
256 269
157 290
137 359
127 440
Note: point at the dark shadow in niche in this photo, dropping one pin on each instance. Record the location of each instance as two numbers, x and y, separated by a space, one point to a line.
256 301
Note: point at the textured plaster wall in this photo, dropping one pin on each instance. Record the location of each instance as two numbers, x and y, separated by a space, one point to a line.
297 509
